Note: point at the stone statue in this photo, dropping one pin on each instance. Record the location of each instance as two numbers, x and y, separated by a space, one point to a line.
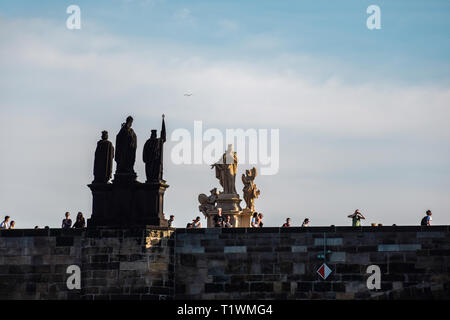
251 192
207 203
153 155
104 155
226 169
126 143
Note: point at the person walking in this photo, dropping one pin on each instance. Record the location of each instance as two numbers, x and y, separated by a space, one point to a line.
356 218
5 223
67 222
305 223
12 225
426 221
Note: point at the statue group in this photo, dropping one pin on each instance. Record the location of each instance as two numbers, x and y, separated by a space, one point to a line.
126 200
125 155
228 199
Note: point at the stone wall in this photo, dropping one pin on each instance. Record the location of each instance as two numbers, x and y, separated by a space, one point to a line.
114 263
239 263
282 263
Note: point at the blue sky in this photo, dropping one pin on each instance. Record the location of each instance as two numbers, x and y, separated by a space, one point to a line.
363 114
413 41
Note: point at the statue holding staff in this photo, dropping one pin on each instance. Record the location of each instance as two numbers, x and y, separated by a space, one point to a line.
226 169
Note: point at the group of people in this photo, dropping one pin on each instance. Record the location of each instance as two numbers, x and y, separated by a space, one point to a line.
256 221
219 221
357 216
222 222
79 222
194 224
287 224
6 224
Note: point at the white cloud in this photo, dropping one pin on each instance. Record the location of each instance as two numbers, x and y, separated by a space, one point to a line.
60 89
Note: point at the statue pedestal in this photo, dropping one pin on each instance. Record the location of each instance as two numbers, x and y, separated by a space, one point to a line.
125 178
239 219
245 218
127 202
230 204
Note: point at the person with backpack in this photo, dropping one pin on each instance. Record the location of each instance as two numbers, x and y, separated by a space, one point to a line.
426 221
5 223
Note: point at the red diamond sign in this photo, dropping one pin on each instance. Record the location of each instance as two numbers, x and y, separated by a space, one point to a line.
324 271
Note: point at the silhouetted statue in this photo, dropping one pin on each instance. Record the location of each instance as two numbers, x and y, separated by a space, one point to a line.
126 142
104 155
153 155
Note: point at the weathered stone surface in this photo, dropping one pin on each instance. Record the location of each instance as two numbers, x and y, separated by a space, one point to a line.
267 263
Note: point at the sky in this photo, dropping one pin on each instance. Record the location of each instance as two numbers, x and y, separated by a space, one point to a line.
363 115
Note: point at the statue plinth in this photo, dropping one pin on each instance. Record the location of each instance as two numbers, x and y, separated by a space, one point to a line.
246 217
124 178
127 203
230 204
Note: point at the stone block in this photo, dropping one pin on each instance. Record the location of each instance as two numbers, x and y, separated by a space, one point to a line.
298 268
261 287
64 241
430 234
304 286
399 247
299 248
235 249
329 241
336 257
191 249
